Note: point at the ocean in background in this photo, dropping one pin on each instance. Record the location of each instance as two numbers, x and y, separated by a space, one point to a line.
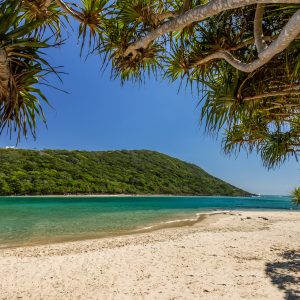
41 220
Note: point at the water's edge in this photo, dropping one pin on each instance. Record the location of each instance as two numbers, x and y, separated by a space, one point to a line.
176 223
26 221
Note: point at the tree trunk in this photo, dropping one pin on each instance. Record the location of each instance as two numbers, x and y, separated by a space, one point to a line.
4 76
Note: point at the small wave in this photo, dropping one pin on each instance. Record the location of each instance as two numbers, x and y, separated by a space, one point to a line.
180 222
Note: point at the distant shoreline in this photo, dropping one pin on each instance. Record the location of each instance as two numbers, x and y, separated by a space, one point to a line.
124 195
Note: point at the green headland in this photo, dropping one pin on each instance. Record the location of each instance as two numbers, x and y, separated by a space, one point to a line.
58 172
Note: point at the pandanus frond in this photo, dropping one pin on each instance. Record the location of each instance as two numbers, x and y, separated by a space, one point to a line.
46 13
217 52
22 68
91 14
296 196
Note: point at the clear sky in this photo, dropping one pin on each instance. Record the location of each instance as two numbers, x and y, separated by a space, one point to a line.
100 114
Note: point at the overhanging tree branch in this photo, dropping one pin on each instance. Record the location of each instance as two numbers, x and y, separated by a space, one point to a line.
274 94
289 33
251 42
167 15
197 14
258 28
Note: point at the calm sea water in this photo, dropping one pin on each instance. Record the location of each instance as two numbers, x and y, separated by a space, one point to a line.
38 220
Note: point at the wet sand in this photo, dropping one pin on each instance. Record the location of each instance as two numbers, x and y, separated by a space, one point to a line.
233 255
44 240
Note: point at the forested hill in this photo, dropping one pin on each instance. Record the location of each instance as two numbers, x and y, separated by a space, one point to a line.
30 172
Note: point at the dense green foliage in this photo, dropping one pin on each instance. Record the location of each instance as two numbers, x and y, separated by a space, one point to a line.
113 172
296 196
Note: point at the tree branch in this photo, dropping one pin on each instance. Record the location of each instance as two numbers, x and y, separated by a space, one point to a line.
258 29
251 42
291 91
167 15
233 48
289 33
196 14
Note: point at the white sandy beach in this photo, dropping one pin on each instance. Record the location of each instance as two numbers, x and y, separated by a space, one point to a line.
238 255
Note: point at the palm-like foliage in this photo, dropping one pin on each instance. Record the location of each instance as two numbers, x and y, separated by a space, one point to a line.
26 28
23 67
296 196
257 117
257 111
91 14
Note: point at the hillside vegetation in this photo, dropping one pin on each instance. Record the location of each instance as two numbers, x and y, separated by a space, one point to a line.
30 172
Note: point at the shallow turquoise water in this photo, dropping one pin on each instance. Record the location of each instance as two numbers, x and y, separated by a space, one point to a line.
37 220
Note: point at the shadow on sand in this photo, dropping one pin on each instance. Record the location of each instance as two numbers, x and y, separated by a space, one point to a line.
285 274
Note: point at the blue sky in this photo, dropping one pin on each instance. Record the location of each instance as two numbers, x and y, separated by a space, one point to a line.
100 114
